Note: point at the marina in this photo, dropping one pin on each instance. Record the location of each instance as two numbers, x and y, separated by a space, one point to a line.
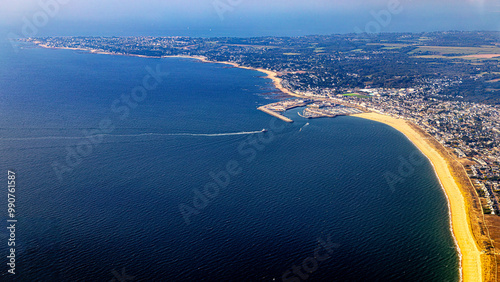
314 109
326 109
275 109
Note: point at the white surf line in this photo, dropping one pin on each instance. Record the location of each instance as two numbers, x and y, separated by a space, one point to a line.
130 135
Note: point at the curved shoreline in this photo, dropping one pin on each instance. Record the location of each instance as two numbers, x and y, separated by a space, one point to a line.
469 253
274 76
471 268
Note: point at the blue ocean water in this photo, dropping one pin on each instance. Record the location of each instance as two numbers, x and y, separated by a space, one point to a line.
109 207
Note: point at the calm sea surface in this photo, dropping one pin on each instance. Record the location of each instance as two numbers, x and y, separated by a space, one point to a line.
107 206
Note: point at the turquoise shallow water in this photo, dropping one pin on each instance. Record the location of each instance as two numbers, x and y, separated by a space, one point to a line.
115 207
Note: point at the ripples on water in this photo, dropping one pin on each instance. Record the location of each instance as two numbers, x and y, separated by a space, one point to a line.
118 209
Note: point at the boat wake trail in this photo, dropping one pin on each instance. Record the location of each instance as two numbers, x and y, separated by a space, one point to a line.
216 134
131 135
303 126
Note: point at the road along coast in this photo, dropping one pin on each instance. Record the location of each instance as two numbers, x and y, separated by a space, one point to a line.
471 268
470 255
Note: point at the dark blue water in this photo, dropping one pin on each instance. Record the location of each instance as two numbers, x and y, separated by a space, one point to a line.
109 207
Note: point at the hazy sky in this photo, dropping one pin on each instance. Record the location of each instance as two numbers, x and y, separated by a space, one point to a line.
243 17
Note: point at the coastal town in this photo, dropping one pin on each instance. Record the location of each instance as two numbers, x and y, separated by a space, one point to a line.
408 76
441 87
470 130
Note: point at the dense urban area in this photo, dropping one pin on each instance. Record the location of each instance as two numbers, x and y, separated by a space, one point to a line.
448 83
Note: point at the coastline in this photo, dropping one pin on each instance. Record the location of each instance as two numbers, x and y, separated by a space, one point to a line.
274 76
92 51
471 268
469 253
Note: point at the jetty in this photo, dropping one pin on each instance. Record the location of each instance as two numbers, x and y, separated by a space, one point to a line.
275 114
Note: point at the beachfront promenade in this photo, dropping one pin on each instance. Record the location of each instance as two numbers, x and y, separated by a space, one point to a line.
471 269
460 225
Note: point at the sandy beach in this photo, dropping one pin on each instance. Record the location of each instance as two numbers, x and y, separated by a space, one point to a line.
471 268
470 254
93 51
460 224
274 76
